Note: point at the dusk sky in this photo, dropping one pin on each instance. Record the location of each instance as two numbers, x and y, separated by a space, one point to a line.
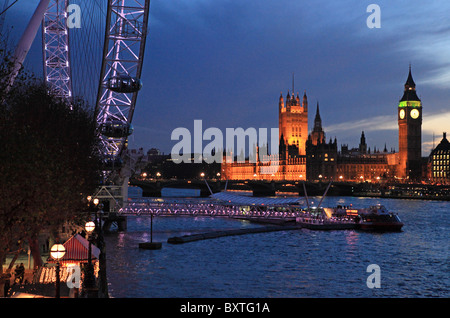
226 62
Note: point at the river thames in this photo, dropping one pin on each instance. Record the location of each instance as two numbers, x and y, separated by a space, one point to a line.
413 263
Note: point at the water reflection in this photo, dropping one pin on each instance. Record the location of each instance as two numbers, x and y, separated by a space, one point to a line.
304 263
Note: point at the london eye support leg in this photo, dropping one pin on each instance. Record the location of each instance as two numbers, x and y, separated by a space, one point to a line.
26 41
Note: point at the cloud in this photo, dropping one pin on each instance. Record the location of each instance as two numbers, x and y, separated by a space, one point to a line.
384 122
436 123
431 123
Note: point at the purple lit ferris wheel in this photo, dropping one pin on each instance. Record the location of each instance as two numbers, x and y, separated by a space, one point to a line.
55 49
100 60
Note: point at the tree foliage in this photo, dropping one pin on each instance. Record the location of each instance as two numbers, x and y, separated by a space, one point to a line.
48 161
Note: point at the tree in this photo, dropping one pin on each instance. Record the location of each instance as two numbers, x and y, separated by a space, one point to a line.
48 162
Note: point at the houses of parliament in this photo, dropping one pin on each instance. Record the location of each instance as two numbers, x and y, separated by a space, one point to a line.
307 155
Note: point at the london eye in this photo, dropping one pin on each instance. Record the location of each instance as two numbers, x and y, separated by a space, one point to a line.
100 59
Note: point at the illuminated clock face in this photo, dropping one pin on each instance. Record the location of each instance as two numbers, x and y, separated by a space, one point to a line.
414 113
402 113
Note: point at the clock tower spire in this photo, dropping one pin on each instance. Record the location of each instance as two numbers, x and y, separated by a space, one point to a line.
410 132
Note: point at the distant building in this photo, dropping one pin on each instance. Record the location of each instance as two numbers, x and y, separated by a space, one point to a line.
153 152
324 162
439 162
360 166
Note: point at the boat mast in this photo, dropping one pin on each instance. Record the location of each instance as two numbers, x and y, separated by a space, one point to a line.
208 187
324 195
306 194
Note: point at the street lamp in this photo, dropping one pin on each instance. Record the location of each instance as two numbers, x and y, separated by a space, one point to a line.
57 252
89 226
102 256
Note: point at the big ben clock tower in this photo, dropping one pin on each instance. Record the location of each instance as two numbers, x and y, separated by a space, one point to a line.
410 133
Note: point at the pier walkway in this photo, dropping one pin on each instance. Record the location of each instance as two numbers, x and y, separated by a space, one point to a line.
212 208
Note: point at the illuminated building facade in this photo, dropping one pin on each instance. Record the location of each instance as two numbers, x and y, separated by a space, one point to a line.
293 122
291 157
321 160
439 162
410 133
288 168
311 157
371 166
324 162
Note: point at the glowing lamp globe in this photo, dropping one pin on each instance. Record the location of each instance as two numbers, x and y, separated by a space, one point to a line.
57 251
89 226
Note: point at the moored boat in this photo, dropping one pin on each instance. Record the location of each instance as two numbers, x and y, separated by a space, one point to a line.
374 218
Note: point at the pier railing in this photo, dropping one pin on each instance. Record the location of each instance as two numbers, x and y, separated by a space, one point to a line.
153 207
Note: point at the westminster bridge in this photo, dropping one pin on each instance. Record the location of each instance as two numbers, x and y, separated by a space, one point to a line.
152 188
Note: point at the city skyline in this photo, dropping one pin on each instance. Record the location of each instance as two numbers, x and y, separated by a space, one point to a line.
226 63
221 154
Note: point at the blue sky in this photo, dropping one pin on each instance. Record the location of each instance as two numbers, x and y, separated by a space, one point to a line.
226 62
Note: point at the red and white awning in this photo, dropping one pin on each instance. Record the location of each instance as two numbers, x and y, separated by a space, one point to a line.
77 250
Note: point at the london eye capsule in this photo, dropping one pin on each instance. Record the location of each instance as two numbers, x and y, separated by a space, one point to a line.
116 129
124 84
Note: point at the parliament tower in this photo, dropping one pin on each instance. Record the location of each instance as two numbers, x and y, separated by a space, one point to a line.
410 133
293 121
